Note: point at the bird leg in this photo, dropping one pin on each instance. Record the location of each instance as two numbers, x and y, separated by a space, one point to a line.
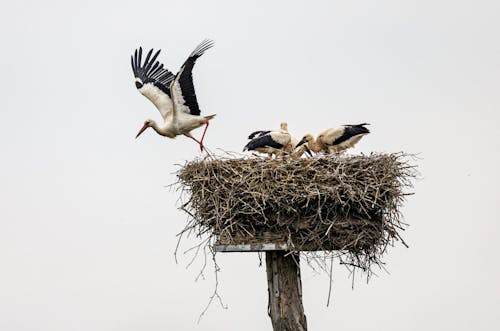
203 136
198 142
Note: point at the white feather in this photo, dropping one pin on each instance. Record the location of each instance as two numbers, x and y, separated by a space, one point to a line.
176 93
159 98
282 138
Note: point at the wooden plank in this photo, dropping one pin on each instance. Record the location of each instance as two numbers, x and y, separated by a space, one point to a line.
251 247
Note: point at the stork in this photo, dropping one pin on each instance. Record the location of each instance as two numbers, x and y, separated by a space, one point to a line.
292 149
298 151
335 140
270 142
173 95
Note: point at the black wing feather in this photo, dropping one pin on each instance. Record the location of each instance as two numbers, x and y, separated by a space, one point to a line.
258 133
186 77
351 131
263 141
151 71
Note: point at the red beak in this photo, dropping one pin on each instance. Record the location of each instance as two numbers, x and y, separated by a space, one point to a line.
142 130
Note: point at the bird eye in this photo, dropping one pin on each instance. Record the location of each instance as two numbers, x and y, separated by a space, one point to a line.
138 85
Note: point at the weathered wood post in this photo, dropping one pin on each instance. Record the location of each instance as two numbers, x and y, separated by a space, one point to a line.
284 284
285 291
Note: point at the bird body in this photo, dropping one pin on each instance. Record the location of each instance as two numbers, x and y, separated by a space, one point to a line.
173 95
335 140
179 126
257 134
291 146
269 142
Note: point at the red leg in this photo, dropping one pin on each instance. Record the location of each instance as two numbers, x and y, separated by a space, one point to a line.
203 136
198 142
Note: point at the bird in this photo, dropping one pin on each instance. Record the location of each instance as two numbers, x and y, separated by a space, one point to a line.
335 140
270 142
298 151
291 148
173 95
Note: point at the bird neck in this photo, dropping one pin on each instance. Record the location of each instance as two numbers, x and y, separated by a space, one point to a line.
166 130
314 146
155 127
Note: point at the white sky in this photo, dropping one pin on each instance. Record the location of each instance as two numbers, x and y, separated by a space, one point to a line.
87 229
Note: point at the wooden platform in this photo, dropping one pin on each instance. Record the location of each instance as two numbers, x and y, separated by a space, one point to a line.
245 248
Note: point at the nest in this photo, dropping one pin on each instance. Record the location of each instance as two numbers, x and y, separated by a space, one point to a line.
347 204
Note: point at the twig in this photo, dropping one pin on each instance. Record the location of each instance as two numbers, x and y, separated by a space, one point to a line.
331 281
215 294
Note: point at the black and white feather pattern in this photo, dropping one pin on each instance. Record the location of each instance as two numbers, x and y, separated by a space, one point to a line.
258 133
153 80
273 139
182 87
151 71
350 131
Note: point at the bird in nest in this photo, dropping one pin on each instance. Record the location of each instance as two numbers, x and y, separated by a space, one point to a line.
277 142
335 140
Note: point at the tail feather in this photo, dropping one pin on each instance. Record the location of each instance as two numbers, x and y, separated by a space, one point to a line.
209 117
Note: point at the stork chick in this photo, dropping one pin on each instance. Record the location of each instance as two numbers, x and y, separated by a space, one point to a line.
298 151
335 140
290 149
270 142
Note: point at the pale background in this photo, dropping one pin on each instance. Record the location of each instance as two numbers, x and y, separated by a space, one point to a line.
87 228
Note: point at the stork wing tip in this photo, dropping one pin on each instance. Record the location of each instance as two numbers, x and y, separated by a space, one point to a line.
202 47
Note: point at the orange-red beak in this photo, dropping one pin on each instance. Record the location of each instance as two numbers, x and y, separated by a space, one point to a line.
142 130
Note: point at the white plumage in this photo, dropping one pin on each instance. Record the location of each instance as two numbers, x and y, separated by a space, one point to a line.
173 95
335 140
270 142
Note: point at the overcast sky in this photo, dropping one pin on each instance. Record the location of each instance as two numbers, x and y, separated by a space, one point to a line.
87 228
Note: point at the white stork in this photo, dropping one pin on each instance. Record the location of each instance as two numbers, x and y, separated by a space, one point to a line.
335 140
173 95
291 148
270 142
298 151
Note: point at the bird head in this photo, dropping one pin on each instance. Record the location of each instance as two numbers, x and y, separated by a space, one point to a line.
147 123
284 126
307 138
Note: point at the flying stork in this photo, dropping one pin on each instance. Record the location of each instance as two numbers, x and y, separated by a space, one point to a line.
335 140
173 95
270 142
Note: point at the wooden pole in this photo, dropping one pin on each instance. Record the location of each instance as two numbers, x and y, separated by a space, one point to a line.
285 291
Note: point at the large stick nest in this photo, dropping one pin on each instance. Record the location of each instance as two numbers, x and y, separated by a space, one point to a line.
349 204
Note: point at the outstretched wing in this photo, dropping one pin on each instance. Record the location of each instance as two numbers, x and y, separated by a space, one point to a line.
152 80
182 88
